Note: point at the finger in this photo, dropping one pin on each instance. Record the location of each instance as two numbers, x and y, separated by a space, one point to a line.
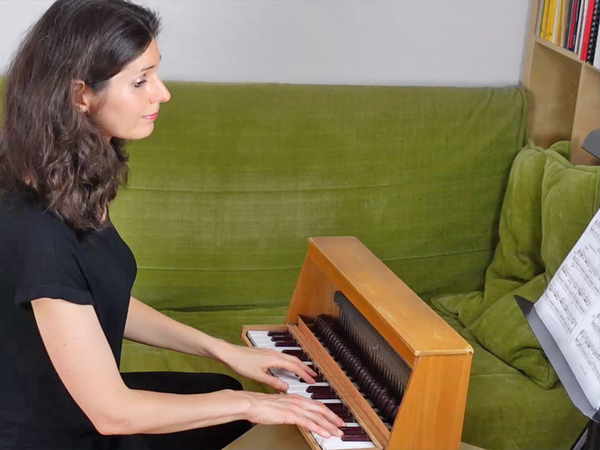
324 421
324 411
295 365
311 372
274 382
305 368
270 380
312 426
315 424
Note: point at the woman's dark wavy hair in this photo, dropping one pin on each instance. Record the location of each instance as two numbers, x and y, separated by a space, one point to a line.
49 149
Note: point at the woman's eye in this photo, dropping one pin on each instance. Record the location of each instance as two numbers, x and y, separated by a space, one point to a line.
138 84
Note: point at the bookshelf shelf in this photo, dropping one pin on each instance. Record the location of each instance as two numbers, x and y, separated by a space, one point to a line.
563 51
563 91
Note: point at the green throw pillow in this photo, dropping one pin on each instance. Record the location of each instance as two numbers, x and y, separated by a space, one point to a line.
517 258
569 199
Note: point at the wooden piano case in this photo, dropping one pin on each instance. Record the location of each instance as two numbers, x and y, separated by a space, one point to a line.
430 416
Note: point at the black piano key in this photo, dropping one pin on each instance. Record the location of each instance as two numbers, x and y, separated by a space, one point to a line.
318 379
352 430
323 389
363 437
324 396
347 418
297 353
282 338
279 334
337 407
286 344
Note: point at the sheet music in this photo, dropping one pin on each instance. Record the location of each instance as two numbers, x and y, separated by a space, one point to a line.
570 309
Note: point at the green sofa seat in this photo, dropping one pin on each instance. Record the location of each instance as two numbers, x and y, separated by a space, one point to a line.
506 410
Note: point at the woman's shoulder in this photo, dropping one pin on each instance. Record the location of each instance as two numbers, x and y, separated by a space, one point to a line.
24 217
16 204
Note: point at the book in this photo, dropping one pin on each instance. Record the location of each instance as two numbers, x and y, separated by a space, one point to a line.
568 25
560 19
569 309
580 25
540 18
564 23
572 24
593 33
576 25
587 26
545 15
556 20
596 62
550 24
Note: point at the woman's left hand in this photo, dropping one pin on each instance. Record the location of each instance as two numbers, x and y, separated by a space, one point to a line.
254 363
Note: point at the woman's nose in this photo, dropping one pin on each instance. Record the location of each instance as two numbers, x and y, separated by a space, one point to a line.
161 94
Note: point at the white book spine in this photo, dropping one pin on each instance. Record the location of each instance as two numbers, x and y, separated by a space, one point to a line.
580 25
597 54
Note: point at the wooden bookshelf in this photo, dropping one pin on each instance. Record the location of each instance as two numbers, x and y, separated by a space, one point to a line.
564 92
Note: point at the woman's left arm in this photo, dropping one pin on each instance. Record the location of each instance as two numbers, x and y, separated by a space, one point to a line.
148 326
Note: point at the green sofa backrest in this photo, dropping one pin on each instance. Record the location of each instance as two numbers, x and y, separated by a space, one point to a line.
236 177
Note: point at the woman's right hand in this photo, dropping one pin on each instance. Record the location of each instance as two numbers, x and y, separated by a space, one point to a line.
293 409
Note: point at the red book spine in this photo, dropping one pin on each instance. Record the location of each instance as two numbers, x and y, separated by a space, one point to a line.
586 31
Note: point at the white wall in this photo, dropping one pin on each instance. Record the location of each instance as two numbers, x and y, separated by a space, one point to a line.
383 42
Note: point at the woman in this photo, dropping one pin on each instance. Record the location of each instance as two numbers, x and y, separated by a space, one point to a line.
84 81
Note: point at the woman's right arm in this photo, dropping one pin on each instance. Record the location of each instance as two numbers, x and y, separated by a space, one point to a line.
85 364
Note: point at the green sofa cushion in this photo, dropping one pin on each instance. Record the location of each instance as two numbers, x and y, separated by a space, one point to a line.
517 268
517 258
503 330
570 198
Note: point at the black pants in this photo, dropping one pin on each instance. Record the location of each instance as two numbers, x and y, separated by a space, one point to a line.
208 438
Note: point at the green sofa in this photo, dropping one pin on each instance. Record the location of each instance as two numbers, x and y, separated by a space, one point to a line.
223 196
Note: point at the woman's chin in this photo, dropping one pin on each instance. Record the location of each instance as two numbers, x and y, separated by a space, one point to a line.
139 133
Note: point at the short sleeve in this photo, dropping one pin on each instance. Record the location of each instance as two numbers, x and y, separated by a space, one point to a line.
49 264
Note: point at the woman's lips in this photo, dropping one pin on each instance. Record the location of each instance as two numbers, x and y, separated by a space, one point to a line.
151 116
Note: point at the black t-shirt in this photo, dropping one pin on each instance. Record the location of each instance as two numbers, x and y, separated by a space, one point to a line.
42 256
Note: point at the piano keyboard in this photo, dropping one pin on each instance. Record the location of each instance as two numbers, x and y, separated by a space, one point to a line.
354 436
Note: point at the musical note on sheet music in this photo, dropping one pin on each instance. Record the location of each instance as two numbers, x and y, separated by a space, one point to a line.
570 309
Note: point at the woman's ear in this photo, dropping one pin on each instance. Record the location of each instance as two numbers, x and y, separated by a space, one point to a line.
83 97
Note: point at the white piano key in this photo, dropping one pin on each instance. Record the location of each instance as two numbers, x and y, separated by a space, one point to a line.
267 343
280 349
336 443
258 333
292 379
301 387
308 394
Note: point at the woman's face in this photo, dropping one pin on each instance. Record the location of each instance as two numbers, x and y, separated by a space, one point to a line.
129 105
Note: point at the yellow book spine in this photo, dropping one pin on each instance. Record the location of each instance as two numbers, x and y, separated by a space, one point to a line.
550 29
560 22
563 23
558 18
544 26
